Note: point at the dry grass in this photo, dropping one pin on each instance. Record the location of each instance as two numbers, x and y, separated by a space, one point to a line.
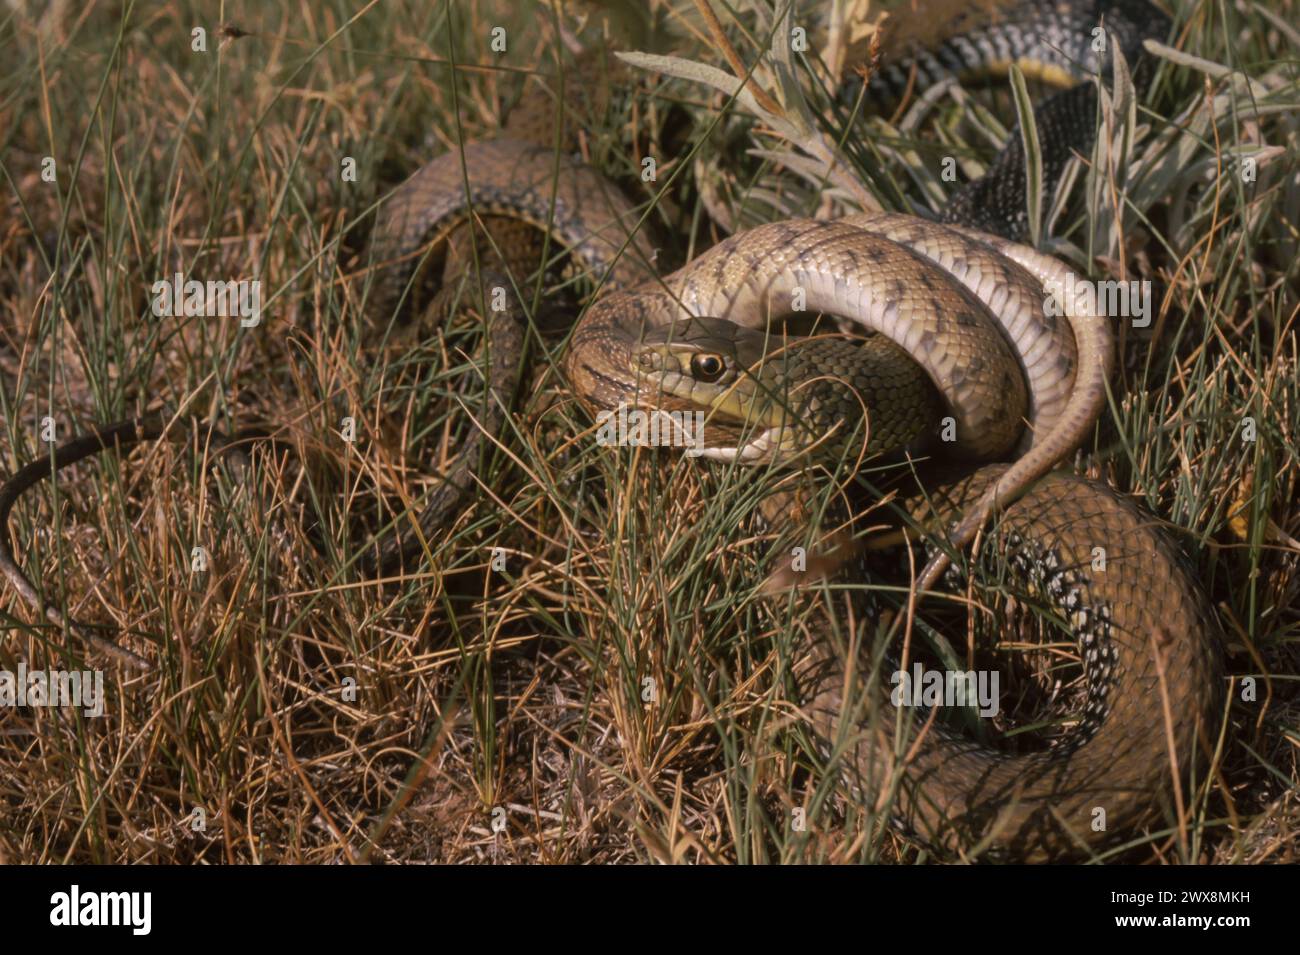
522 693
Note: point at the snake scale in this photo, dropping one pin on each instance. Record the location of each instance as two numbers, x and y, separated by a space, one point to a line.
957 308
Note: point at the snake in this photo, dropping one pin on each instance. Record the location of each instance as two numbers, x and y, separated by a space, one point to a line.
959 335
968 308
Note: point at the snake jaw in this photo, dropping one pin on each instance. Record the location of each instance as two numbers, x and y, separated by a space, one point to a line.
775 400
766 447
729 399
755 427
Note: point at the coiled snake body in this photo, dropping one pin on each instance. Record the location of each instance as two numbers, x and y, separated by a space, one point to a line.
967 308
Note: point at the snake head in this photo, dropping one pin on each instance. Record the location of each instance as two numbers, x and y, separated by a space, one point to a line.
766 397
729 373
701 364
709 351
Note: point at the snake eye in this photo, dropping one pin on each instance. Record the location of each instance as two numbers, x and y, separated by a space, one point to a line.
707 367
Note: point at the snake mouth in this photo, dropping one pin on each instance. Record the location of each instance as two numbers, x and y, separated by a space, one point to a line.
731 425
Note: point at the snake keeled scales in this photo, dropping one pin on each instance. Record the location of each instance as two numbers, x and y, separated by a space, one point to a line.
968 307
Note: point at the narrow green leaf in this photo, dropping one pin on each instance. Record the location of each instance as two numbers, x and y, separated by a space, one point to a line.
1033 154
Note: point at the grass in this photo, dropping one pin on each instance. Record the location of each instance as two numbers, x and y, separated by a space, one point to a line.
618 692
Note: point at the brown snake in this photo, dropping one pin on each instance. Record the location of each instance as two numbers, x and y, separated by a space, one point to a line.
969 308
